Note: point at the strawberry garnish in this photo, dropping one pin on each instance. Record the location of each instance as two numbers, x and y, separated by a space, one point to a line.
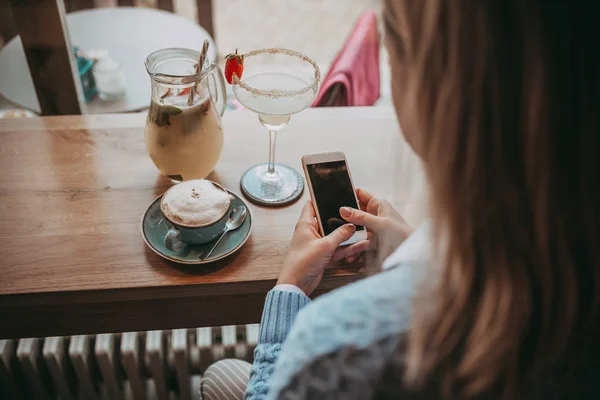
234 64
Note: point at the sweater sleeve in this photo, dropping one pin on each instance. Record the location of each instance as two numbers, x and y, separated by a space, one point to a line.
279 313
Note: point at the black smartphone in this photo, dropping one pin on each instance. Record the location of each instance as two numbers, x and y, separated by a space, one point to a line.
331 188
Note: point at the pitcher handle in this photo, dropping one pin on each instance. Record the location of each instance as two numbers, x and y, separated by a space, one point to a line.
218 99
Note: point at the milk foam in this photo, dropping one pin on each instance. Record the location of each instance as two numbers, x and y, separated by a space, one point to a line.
195 203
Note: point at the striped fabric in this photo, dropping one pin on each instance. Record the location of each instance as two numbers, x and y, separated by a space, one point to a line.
225 380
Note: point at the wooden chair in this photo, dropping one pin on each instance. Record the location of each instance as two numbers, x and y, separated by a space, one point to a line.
205 17
50 60
49 56
8 29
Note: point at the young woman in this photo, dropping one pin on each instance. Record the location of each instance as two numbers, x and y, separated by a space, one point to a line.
502 101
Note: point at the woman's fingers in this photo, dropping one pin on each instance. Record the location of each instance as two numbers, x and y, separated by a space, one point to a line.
365 197
351 259
308 212
350 251
307 217
360 193
359 217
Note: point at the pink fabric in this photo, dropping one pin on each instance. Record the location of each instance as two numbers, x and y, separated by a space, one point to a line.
356 67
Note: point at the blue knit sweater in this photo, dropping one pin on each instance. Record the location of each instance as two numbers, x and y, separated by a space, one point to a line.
348 344
340 344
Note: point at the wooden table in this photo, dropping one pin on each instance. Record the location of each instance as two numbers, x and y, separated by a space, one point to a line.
128 34
73 190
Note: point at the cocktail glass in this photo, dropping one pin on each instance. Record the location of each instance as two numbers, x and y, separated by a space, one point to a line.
276 83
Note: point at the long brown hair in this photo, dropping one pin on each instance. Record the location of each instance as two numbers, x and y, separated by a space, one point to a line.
502 101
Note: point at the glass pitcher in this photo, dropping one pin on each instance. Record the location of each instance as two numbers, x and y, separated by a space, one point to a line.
184 135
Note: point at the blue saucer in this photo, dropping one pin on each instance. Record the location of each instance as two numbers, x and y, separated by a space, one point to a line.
155 227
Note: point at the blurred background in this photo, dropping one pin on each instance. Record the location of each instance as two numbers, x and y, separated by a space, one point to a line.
317 28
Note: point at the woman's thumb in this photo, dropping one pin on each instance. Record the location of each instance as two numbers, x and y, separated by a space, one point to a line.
340 235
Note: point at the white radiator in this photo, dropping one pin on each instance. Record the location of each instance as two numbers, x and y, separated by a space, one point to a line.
161 365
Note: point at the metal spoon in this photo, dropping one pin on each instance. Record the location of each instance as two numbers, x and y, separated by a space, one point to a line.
235 220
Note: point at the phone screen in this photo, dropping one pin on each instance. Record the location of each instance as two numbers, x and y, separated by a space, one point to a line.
332 189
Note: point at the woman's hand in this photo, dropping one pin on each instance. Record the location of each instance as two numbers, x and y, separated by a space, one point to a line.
380 219
309 253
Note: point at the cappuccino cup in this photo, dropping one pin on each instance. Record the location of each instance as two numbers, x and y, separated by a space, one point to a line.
197 211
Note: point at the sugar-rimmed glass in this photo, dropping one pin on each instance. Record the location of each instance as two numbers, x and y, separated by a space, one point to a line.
276 83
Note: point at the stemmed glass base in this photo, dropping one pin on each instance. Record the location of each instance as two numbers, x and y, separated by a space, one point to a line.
282 186
277 84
